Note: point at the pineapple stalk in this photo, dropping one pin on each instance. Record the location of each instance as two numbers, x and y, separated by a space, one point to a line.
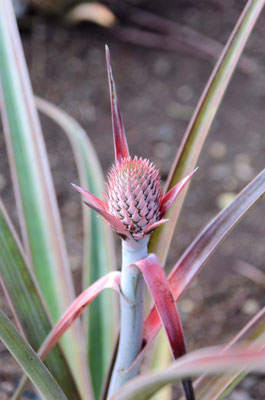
132 314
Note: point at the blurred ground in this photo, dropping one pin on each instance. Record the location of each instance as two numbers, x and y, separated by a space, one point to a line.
158 91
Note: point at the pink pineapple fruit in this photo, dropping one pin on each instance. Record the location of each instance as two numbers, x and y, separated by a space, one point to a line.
134 203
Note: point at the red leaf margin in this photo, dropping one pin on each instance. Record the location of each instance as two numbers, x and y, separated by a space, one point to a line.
160 290
110 280
195 363
158 285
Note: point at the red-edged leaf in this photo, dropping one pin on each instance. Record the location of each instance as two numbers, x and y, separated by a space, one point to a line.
173 193
201 121
120 142
205 360
37 208
111 280
194 258
159 287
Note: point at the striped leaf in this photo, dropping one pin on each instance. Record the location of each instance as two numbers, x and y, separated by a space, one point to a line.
27 302
99 258
38 211
202 119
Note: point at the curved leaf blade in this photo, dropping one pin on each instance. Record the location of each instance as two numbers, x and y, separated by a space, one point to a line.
214 387
34 191
99 258
27 302
111 280
160 290
194 363
194 258
201 121
29 361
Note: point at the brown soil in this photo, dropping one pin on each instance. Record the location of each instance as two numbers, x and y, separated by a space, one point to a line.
158 91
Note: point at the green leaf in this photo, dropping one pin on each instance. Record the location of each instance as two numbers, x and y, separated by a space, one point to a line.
201 121
29 361
194 363
27 302
35 196
99 259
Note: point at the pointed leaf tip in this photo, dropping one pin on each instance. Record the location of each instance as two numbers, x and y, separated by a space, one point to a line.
92 201
101 207
173 193
75 186
120 141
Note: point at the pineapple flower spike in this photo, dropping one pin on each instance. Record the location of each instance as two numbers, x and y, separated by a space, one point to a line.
173 193
134 205
120 141
100 207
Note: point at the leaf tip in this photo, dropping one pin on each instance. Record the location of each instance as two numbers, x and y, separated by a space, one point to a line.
120 141
75 186
78 188
107 51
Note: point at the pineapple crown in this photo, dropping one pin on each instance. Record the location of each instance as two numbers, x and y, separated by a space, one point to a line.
134 204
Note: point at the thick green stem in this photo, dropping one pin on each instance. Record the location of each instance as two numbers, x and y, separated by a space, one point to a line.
132 314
